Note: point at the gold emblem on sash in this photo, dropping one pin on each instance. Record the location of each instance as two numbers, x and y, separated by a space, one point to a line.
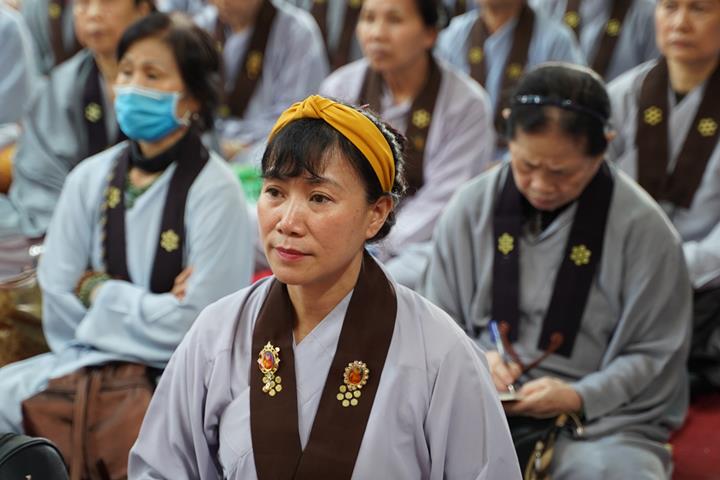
269 361
653 116
254 64
476 55
707 127
355 3
319 2
93 112
580 255
54 10
572 19
113 197
224 111
169 241
418 142
421 118
514 71
355 377
219 46
506 243
613 27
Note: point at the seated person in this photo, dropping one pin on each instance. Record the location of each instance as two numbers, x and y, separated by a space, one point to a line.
495 43
273 55
17 83
52 31
145 234
329 369
615 35
575 262
444 114
70 117
667 114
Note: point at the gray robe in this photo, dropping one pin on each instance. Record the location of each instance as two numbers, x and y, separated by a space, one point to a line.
460 145
550 41
53 141
628 361
699 226
435 415
127 322
18 75
35 13
636 43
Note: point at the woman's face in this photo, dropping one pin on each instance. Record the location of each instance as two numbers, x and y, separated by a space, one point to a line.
688 31
551 168
99 24
313 228
150 63
392 34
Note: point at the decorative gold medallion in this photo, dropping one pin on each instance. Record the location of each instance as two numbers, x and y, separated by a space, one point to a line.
418 142
355 3
113 197
269 362
224 111
355 377
580 255
506 243
421 118
707 127
613 27
254 64
572 19
514 71
653 116
169 241
54 10
319 2
476 55
93 112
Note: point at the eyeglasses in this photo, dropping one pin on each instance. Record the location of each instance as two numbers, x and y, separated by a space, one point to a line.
556 340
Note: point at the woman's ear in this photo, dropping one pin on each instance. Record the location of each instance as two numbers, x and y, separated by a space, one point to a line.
378 213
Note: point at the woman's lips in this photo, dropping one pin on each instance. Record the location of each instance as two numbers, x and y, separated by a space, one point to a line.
289 254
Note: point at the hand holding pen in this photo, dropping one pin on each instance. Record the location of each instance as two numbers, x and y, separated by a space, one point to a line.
503 370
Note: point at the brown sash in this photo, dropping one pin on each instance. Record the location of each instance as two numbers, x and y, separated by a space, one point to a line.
341 55
56 10
514 65
577 271
652 139
252 64
191 158
421 116
611 33
93 114
337 431
460 7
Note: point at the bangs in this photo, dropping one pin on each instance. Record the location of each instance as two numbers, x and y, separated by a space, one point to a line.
302 148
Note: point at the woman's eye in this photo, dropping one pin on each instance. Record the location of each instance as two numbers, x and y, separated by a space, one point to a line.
272 191
317 198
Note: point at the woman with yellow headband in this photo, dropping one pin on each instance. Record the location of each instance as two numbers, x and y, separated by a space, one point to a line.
327 369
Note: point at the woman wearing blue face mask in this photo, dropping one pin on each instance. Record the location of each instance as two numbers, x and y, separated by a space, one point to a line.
146 233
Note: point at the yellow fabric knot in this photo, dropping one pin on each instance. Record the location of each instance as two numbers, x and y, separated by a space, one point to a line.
351 124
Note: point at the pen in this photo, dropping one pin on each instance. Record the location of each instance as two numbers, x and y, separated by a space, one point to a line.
500 346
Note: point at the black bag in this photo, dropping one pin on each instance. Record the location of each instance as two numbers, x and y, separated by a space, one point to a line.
27 457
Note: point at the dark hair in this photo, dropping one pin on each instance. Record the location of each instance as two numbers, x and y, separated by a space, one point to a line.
303 146
195 54
433 13
578 92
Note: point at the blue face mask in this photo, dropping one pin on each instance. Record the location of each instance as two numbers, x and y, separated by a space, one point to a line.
147 114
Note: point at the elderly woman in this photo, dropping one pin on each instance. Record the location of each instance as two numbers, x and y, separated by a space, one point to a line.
71 117
446 116
553 245
145 234
667 113
329 369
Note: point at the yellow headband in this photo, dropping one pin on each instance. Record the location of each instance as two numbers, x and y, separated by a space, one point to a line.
351 124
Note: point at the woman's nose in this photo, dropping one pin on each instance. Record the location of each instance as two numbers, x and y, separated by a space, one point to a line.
292 219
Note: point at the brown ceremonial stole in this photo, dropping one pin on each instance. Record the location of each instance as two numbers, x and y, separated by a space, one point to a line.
613 27
251 66
56 8
514 65
168 263
418 125
460 7
652 139
577 270
93 113
337 431
341 55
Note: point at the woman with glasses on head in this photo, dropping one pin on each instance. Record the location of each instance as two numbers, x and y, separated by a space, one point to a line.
70 118
567 259
328 369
